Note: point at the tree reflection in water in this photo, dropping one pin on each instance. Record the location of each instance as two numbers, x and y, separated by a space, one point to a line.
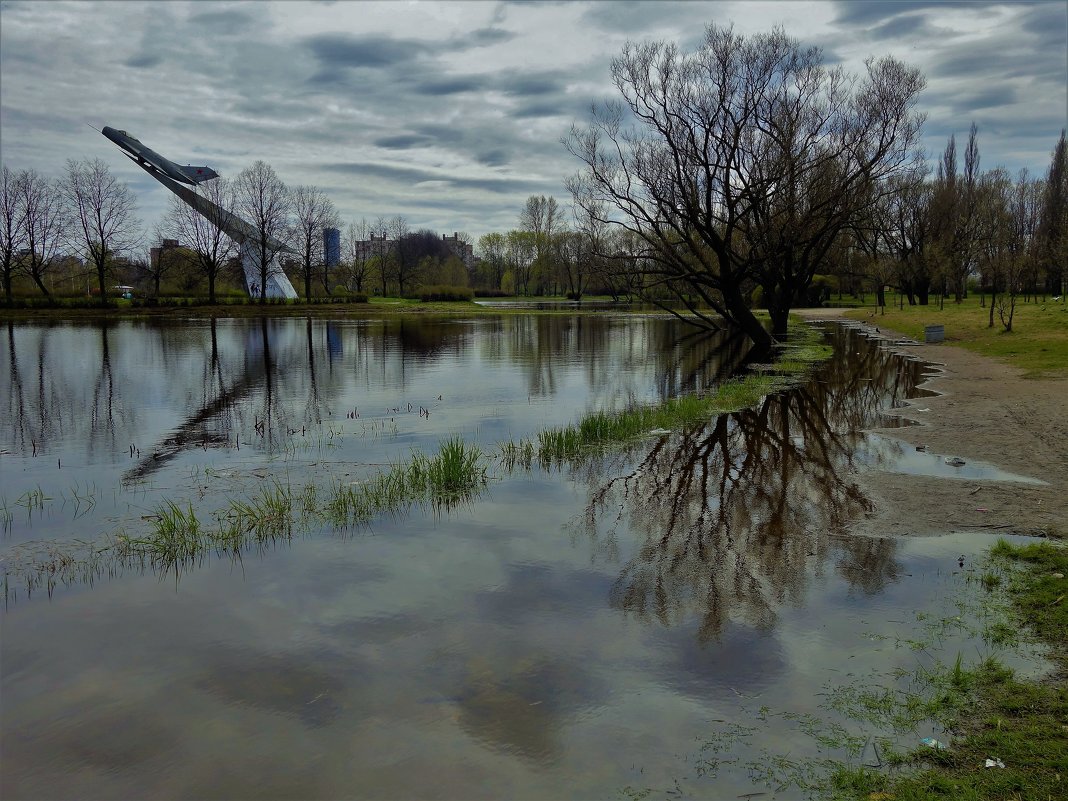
734 518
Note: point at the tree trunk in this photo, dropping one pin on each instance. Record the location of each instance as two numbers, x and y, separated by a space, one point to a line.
100 279
40 285
742 316
211 293
880 296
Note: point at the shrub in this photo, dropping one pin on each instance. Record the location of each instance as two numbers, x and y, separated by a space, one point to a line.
430 293
491 293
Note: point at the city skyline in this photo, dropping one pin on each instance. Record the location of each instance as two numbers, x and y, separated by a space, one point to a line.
451 114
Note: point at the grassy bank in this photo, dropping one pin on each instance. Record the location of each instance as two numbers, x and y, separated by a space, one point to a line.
340 306
996 715
1038 342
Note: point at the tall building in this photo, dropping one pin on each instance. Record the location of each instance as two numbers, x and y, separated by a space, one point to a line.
464 251
331 247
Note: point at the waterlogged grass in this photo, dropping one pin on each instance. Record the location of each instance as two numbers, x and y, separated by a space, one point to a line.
598 430
989 711
457 473
1021 722
868 735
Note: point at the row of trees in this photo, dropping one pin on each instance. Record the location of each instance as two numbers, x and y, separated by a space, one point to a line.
90 215
935 235
747 167
86 212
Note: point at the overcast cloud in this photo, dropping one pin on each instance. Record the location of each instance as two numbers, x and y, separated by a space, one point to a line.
451 113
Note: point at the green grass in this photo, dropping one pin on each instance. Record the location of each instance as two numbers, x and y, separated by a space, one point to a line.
1038 342
599 430
456 474
1022 722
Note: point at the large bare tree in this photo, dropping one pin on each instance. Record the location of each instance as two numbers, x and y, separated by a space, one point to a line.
740 164
312 212
264 201
211 246
102 211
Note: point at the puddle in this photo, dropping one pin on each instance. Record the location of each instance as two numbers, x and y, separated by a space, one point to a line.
881 452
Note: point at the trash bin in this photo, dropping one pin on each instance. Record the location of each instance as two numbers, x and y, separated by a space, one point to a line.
934 333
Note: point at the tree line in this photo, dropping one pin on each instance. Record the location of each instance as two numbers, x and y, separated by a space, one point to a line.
744 174
745 169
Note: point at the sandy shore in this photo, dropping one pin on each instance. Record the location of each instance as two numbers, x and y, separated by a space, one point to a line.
984 411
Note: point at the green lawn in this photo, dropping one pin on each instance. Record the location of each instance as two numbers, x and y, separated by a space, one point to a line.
1038 342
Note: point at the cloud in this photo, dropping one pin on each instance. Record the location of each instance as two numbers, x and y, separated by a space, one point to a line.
473 97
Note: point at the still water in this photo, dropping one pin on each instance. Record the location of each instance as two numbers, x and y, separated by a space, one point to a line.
578 631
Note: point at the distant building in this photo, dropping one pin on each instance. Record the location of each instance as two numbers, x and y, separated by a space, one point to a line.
380 246
465 251
332 247
165 245
375 246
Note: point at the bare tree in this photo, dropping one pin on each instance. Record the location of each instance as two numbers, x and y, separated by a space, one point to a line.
522 253
12 234
102 213
1011 210
383 253
263 200
44 224
358 258
212 247
313 211
402 261
740 164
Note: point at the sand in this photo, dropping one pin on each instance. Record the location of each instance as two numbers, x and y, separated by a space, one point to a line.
985 411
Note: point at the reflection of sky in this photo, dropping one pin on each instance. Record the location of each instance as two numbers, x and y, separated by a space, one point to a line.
896 456
483 653
473 655
82 395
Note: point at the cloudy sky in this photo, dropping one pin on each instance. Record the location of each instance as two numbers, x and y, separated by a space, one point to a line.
451 113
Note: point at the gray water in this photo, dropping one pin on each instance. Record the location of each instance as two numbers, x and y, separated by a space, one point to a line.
576 631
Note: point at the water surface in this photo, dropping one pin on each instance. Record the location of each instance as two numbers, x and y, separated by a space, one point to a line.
577 630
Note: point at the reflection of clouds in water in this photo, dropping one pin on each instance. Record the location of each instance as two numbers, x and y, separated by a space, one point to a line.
742 659
519 703
538 590
297 689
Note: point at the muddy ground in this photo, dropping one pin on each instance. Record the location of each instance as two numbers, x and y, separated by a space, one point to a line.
984 411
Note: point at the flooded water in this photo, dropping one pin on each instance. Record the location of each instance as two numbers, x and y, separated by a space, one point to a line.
578 631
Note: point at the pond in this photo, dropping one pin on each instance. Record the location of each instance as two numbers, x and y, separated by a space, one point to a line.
578 630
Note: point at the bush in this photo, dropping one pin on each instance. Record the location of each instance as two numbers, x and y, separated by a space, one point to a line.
491 293
431 293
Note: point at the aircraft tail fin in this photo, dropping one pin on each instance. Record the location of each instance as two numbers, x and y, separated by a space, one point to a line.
199 174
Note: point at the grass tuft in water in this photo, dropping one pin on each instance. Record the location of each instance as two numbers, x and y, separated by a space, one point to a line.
599 430
455 474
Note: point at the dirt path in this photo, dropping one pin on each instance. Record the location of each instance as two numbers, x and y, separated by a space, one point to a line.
986 412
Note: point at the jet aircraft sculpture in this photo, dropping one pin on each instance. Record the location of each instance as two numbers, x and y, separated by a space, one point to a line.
244 234
146 156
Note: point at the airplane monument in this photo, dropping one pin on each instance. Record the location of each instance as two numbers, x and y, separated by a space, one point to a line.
179 179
